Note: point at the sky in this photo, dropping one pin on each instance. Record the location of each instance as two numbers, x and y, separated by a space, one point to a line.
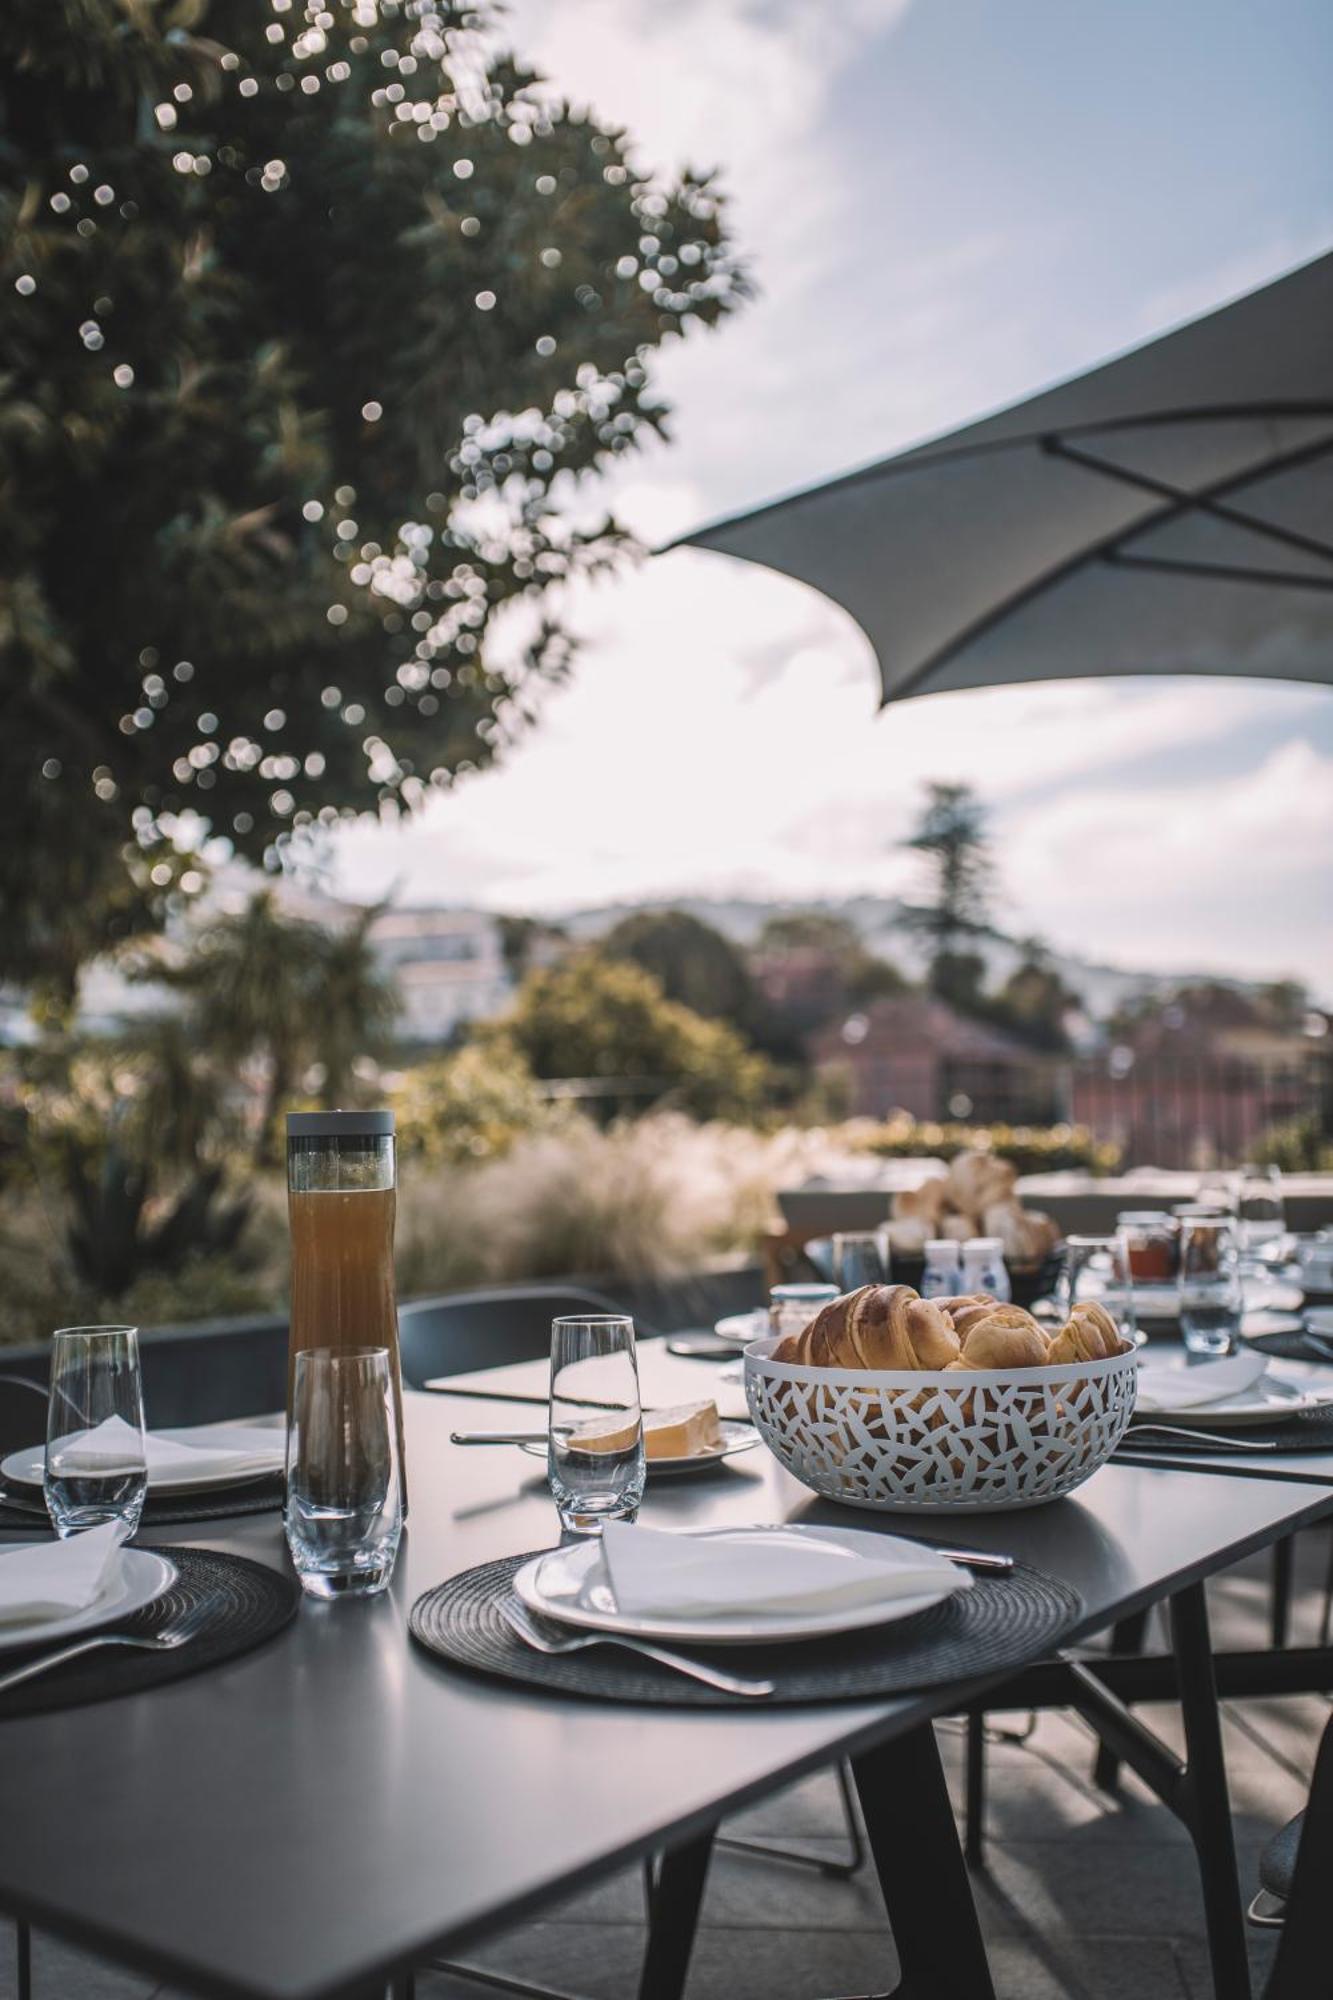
946 205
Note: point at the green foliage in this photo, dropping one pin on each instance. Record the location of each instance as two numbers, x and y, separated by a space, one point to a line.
1301 1146
1034 1002
1033 1149
809 930
594 1019
289 992
951 837
691 961
306 317
472 1105
113 1237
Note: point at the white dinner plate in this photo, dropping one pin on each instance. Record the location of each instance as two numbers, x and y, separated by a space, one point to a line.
1268 1402
140 1577
571 1585
1319 1319
741 1328
26 1468
736 1437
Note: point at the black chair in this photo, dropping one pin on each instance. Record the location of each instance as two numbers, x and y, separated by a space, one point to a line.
466 1331
1294 1872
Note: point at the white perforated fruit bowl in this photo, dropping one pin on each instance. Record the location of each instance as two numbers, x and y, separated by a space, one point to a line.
941 1442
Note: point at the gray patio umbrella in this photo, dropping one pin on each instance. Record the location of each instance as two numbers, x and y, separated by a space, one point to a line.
1168 512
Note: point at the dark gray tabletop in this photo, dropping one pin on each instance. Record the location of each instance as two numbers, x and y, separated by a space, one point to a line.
309 1816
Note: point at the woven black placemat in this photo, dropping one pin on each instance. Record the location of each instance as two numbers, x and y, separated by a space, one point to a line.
24 1507
248 1604
1002 1622
1310 1430
1290 1346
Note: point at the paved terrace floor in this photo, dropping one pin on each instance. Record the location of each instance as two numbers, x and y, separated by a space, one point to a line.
1083 1898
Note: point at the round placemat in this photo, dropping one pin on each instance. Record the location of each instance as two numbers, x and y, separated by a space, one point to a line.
1002 1622
248 1603
1309 1430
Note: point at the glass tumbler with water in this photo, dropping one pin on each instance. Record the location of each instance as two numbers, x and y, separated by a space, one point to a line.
594 1459
344 1512
96 1468
1210 1294
1260 1216
860 1257
1098 1268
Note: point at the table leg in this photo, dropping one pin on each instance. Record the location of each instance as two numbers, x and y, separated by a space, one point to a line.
1284 1553
974 1789
922 1876
1127 1636
23 1957
1209 1806
674 1917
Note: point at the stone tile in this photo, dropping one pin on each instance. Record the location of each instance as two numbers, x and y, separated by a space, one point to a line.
61 1973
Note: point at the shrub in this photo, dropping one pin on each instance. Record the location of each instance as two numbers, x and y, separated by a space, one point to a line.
469 1106
1033 1149
1301 1146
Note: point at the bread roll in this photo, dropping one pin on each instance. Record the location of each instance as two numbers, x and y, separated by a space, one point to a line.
1025 1234
926 1203
978 1179
908 1236
1006 1337
1089 1334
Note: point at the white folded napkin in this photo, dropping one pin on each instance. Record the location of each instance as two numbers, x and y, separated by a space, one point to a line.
239 1449
663 1575
1168 1388
56 1579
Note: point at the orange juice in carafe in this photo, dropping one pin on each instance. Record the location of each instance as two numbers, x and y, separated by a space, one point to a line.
340 1200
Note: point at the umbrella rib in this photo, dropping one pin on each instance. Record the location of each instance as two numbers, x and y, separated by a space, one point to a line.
1231 572
1190 503
1091 553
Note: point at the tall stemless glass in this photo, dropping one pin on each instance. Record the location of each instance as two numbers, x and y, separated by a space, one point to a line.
594 1458
344 1512
341 1195
1260 1215
96 1468
1210 1292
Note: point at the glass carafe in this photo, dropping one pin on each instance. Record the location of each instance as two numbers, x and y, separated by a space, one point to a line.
341 1185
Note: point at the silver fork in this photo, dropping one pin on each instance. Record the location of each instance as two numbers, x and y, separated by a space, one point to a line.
543 1640
166 1641
1214 1440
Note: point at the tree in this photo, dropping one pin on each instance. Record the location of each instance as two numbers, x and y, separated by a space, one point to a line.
691 961
1034 1001
591 1018
287 992
951 835
310 316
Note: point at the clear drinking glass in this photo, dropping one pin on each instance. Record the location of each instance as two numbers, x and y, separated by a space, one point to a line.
1098 1268
594 1456
1210 1296
96 1468
1260 1218
860 1257
344 1512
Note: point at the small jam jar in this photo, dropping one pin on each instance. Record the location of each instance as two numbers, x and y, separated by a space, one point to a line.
1153 1239
792 1307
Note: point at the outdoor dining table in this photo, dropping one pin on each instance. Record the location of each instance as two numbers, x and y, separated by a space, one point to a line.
317 1817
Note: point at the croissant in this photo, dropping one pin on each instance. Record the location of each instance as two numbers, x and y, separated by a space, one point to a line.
968 1312
1007 1337
879 1326
1089 1334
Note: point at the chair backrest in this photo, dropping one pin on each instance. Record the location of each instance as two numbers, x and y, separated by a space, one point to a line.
1301 1967
22 1412
466 1331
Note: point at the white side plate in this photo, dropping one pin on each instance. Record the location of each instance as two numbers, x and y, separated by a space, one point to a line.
742 1328
736 1437
1268 1402
571 1585
26 1468
142 1576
